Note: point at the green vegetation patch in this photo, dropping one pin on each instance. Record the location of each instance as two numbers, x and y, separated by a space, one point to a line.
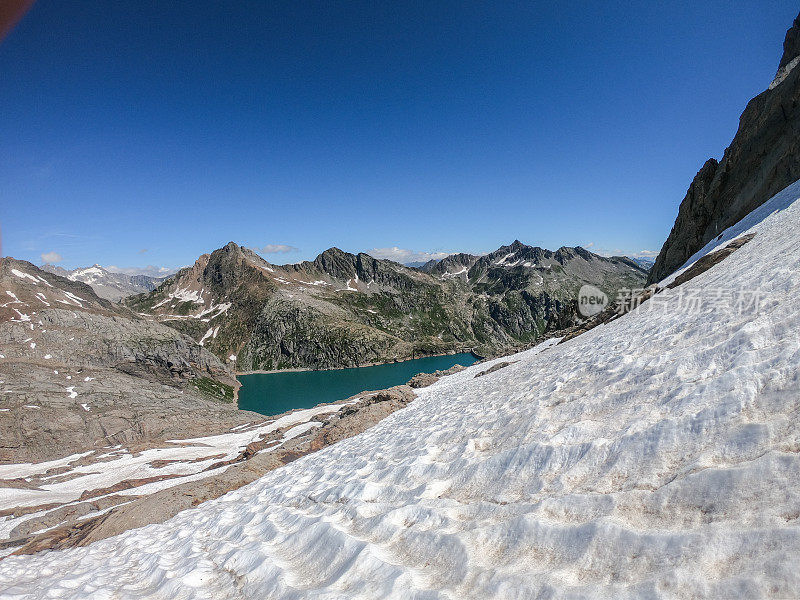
213 388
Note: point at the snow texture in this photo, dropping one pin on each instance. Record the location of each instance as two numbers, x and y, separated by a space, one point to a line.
654 456
193 457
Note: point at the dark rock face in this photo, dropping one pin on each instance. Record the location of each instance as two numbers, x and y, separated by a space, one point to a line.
791 45
763 158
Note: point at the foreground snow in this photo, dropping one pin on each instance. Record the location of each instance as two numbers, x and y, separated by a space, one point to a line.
653 456
65 482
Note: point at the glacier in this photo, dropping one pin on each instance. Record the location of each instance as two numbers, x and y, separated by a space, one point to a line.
657 455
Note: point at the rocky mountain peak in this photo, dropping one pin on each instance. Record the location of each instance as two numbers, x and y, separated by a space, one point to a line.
791 44
232 248
791 54
336 263
332 253
566 253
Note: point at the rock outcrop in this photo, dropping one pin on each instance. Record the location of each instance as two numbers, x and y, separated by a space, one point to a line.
763 158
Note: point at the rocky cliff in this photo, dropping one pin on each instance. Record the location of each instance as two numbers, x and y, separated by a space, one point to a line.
763 158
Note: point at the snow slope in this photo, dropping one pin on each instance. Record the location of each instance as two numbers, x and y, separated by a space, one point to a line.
64 481
655 456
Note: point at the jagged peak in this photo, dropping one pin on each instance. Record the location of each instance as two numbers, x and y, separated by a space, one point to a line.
791 44
575 251
333 251
791 54
228 250
336 262
95 267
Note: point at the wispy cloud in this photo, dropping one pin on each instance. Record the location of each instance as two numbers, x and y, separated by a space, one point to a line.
35 241
51 257
404 255
277 249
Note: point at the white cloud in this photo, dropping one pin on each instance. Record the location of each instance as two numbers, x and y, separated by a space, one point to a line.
51 257
403 255
277 249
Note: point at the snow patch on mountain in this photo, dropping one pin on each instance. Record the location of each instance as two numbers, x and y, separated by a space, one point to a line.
23 275
783 73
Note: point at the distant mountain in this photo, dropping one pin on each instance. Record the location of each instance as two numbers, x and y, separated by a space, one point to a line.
645 262
108 285
344 310
415 264
762 159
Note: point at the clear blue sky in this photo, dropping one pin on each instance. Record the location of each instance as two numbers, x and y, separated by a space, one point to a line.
137 133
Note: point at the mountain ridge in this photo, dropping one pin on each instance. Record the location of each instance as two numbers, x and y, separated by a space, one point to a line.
106 284
343 309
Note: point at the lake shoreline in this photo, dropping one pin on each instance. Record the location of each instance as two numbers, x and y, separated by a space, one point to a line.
373 364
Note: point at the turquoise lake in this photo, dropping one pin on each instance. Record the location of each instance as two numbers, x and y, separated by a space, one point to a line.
275 393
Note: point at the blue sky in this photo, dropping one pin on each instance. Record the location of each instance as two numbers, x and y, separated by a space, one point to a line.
136 133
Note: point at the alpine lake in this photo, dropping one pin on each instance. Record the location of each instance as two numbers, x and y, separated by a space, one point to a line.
276 393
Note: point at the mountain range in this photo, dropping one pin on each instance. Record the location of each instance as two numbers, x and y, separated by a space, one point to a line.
347 310
108 285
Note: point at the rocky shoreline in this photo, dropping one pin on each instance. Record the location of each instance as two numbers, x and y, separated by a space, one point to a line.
369 364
